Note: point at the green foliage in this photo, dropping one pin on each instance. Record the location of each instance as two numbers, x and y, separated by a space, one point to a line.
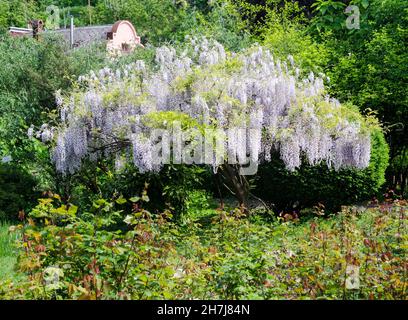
8 251
93 262
222 21
310 185
329 14
17 13
7 240
285 40
178 182
261 13
368 66
17 191
380 87
155 20
222 255
172 188
400 164
31 72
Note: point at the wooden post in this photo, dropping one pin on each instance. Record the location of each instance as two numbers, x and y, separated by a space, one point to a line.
90 12
71 38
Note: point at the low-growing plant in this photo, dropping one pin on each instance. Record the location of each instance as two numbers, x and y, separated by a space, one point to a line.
116 253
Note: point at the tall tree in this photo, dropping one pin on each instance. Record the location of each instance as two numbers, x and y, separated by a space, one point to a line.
227 110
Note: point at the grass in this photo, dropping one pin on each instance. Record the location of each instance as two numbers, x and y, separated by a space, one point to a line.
8 252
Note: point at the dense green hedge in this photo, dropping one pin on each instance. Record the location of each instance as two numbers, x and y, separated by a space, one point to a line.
309 185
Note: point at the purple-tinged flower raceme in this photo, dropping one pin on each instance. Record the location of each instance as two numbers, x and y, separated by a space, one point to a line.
254 103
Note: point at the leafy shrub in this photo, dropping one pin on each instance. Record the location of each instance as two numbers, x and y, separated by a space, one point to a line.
172 188
282 27
310 185
17 191
219 20
291 39
368 66
93 262
16 13
155 20
31 73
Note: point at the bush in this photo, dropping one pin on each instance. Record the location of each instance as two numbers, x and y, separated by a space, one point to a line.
172 188
17 191
310 185
222 22
369 66
16 12
154 20
284 40
31 71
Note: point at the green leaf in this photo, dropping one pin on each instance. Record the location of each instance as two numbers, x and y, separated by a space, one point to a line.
134 199
167 295
121 200
72 210
129 219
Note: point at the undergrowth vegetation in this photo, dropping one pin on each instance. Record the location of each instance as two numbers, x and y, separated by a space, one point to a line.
67 253
8 252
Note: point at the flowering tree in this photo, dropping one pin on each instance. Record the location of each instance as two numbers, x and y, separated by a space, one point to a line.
245 104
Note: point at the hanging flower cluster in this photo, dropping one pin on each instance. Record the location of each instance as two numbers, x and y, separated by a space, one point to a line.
216 89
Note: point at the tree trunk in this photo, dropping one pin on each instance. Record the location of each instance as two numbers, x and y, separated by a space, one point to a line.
236 184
